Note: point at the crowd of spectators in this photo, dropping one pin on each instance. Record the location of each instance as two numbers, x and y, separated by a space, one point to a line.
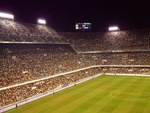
23 32
126 70
25 62
20 63
82 41
21 93
118 58
109 41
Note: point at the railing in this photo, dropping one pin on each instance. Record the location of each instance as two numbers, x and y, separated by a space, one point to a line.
70 72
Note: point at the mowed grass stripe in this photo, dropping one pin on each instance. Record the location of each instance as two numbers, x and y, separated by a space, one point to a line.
51 102
147 106
78 101
97 107
74 97
141 105
92 101
109 107
123 96
87 105
138 105
87 92
125 106
131 88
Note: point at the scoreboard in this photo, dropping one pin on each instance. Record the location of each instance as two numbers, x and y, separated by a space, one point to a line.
83 26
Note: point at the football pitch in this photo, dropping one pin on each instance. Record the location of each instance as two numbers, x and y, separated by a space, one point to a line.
104 94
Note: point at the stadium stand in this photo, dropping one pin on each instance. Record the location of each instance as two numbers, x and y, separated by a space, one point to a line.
22 32
118 58
132 40
22 92
24 62
32 55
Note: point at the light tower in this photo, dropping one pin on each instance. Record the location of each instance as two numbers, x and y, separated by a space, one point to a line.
113 28
41 21
6 16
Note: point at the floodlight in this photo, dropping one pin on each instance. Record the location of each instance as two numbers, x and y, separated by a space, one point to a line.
41 21
113 28
6 15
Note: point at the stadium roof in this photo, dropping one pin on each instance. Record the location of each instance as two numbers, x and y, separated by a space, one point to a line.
63 14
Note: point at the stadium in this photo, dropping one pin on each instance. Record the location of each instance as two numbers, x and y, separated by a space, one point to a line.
43 70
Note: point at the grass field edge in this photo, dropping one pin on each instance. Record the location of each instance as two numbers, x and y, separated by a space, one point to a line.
46 94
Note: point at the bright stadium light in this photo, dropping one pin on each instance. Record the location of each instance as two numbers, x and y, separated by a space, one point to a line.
6 15
113 28
41 21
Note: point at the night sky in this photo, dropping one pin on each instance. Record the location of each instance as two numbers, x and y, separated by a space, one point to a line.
63 14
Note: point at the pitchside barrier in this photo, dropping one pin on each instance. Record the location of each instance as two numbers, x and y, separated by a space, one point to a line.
124 74
49 93
59 89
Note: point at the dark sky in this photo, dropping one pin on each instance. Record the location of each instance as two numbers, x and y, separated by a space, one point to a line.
63 14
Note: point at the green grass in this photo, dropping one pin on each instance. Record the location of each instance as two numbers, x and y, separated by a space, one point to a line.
105 94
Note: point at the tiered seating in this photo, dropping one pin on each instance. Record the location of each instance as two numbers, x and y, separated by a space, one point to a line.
25 62
24 92
128 70
123 58
109 41
43 57
22 32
